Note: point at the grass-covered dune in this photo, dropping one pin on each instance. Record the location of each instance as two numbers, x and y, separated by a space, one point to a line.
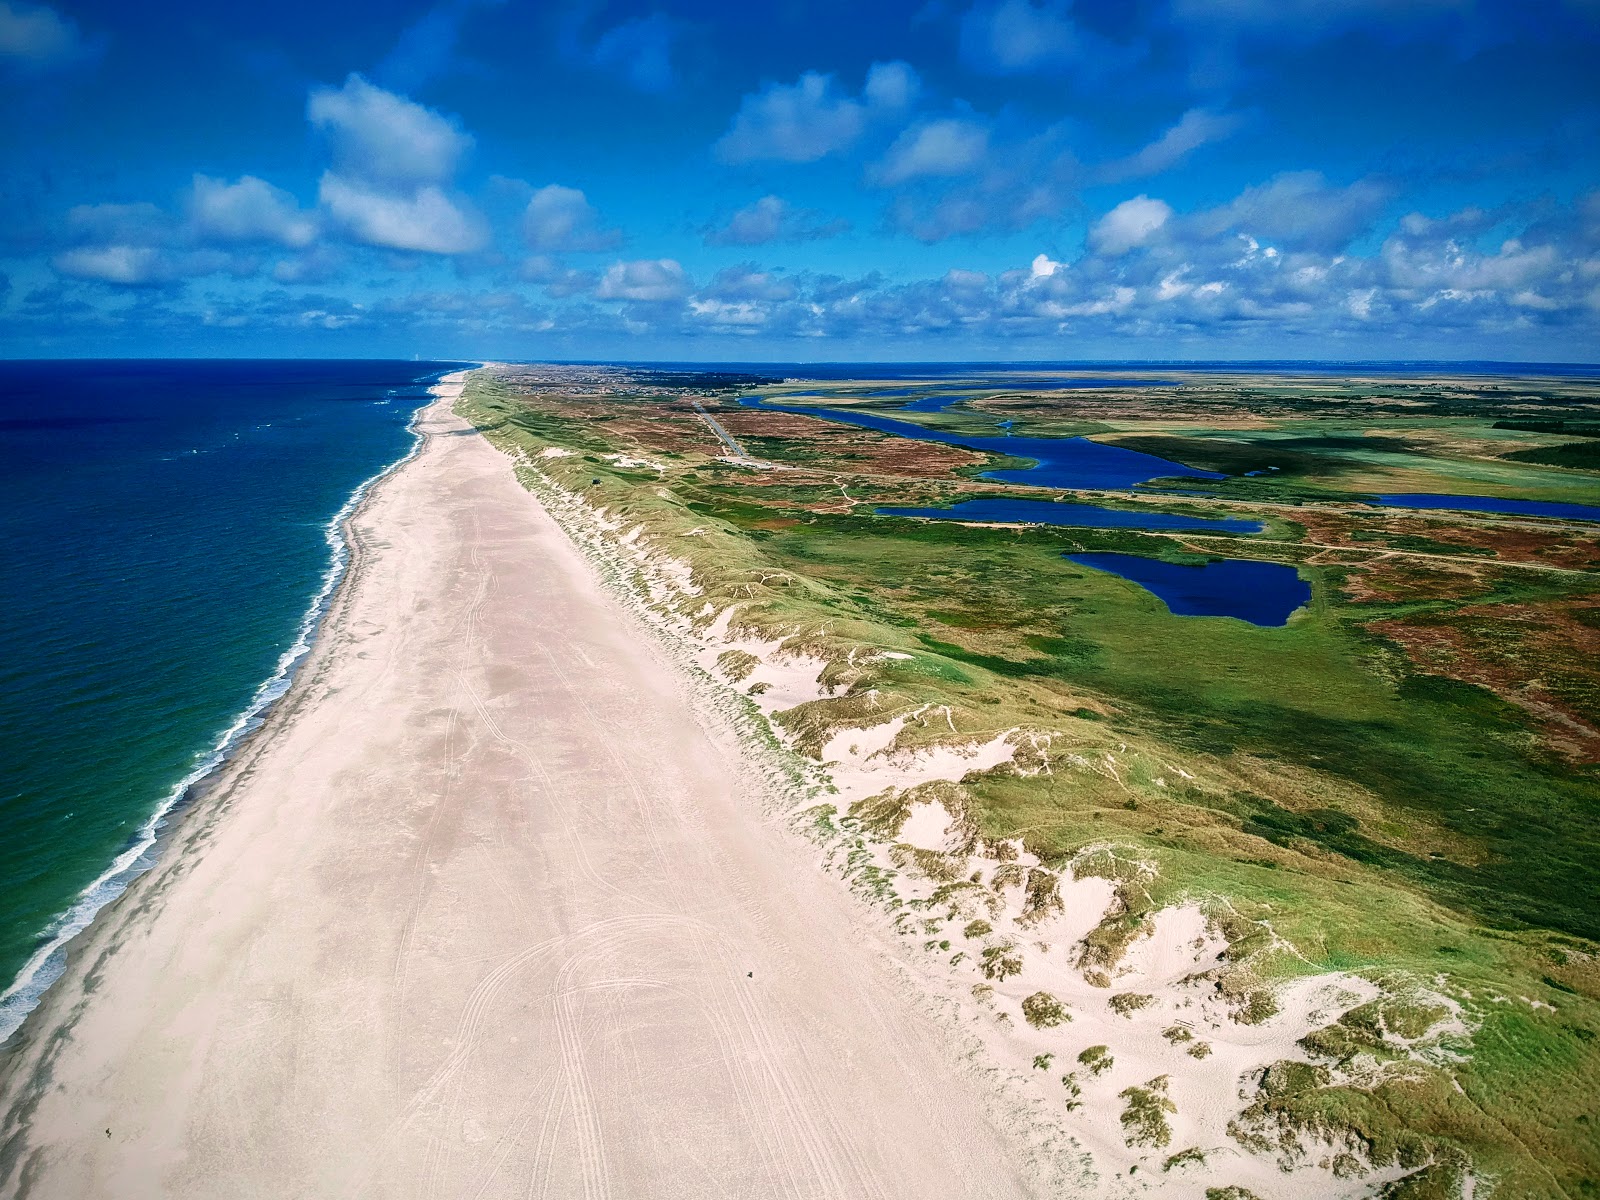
1400 783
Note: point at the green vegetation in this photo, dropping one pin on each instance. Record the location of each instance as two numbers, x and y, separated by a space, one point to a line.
1097 1059
1578 456
1044 1011
1125 1004
1401 782
1144 1114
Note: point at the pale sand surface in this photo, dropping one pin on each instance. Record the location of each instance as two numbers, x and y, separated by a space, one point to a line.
478 916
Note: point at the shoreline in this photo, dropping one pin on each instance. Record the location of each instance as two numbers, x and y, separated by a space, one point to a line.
486 864
33 981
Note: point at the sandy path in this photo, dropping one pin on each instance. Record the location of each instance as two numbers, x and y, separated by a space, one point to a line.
487 913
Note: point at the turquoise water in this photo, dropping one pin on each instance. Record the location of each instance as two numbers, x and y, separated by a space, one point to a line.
1050 512
166 536
1262 593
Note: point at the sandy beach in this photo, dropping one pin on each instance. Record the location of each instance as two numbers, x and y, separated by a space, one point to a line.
487 909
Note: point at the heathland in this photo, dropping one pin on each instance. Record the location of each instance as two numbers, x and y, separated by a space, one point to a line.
1169 830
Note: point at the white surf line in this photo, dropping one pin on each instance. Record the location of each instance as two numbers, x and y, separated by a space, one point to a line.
47 962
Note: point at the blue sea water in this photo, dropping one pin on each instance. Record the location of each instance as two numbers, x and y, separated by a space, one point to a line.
1262 593
167 535
1049 512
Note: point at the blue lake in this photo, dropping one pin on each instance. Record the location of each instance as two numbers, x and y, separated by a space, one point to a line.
1262 593
1523 508
1061 462
1047 512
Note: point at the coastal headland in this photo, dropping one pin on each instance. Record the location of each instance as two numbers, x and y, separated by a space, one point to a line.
488 908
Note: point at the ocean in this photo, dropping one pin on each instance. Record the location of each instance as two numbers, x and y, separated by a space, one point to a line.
168 536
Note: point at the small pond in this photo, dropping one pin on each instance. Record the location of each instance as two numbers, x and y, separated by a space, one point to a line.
1059 462
1262 593
1048 512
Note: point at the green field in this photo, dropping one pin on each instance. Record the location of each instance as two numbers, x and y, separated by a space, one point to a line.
1403 780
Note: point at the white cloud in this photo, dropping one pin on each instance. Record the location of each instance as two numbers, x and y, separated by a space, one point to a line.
133 265
559 280
380 137
747 282
891 85
424 220
811 118
1298 208
644 279
945 147
773 219
113 264
561 219
250 210
1194 129
392 159
1129 224
38 38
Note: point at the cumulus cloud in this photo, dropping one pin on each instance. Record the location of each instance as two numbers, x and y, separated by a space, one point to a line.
392 159
561 219
747 282
385 138
1196 128
1300 208
647 280
136 245
1191 282
35 38
773 219
891 86
316 264
422 219
134 265
949 146
560 281
1436 281
1131 223
113 264
1016 184
812 118
249 210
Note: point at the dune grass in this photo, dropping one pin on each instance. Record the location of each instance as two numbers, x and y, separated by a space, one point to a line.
1381 818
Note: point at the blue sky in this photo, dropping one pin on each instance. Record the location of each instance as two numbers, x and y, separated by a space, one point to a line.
1009 179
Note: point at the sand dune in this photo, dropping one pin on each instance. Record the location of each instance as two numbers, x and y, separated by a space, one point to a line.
487 911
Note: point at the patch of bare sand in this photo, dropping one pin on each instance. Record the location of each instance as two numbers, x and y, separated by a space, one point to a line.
485 911
997 931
